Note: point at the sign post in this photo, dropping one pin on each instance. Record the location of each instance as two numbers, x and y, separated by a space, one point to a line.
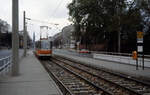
140 46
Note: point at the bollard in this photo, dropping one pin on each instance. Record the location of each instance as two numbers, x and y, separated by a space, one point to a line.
135 57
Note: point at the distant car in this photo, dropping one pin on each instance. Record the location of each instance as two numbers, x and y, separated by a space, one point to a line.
84 51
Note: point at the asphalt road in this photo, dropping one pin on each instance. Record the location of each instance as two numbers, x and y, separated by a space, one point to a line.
5 53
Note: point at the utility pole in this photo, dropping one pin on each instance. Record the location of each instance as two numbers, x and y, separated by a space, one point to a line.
119 42
15 38
34 40
25 35
119 29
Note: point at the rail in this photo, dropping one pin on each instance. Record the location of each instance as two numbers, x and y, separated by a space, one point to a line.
5 65
107 78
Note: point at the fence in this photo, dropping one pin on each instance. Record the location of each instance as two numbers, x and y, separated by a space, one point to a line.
120 54
5 65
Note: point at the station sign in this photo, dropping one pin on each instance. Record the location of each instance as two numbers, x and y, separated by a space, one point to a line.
140 48
140 40
139 37
139 34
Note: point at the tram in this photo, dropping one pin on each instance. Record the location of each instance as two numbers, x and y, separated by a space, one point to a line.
44 48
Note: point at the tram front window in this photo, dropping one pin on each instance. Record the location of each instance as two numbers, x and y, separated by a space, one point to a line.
45 45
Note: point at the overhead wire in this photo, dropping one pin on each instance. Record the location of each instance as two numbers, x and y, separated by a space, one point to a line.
55 10
35 20
52 14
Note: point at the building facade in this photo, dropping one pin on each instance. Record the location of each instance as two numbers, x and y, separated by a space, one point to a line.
67 37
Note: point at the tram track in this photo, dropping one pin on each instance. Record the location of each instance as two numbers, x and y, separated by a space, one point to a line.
111 83
70 82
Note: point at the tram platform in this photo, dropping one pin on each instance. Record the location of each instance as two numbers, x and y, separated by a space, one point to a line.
126 69
32 80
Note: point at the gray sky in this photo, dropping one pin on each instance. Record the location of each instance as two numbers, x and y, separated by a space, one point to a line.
53 11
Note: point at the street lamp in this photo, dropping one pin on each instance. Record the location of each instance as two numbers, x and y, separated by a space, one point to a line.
25 33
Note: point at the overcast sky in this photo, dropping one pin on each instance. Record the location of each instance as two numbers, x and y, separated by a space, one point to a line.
52 11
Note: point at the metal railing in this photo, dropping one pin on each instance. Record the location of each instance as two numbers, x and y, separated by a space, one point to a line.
121 58
119 54
5 65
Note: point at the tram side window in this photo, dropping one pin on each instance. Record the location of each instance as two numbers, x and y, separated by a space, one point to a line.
38 46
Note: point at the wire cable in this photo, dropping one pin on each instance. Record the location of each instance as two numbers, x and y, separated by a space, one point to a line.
35 20
53 13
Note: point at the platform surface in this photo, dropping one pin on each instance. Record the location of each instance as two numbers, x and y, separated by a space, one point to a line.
33 80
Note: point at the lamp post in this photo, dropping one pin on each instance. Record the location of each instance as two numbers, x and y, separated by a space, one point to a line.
15 38
25 33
